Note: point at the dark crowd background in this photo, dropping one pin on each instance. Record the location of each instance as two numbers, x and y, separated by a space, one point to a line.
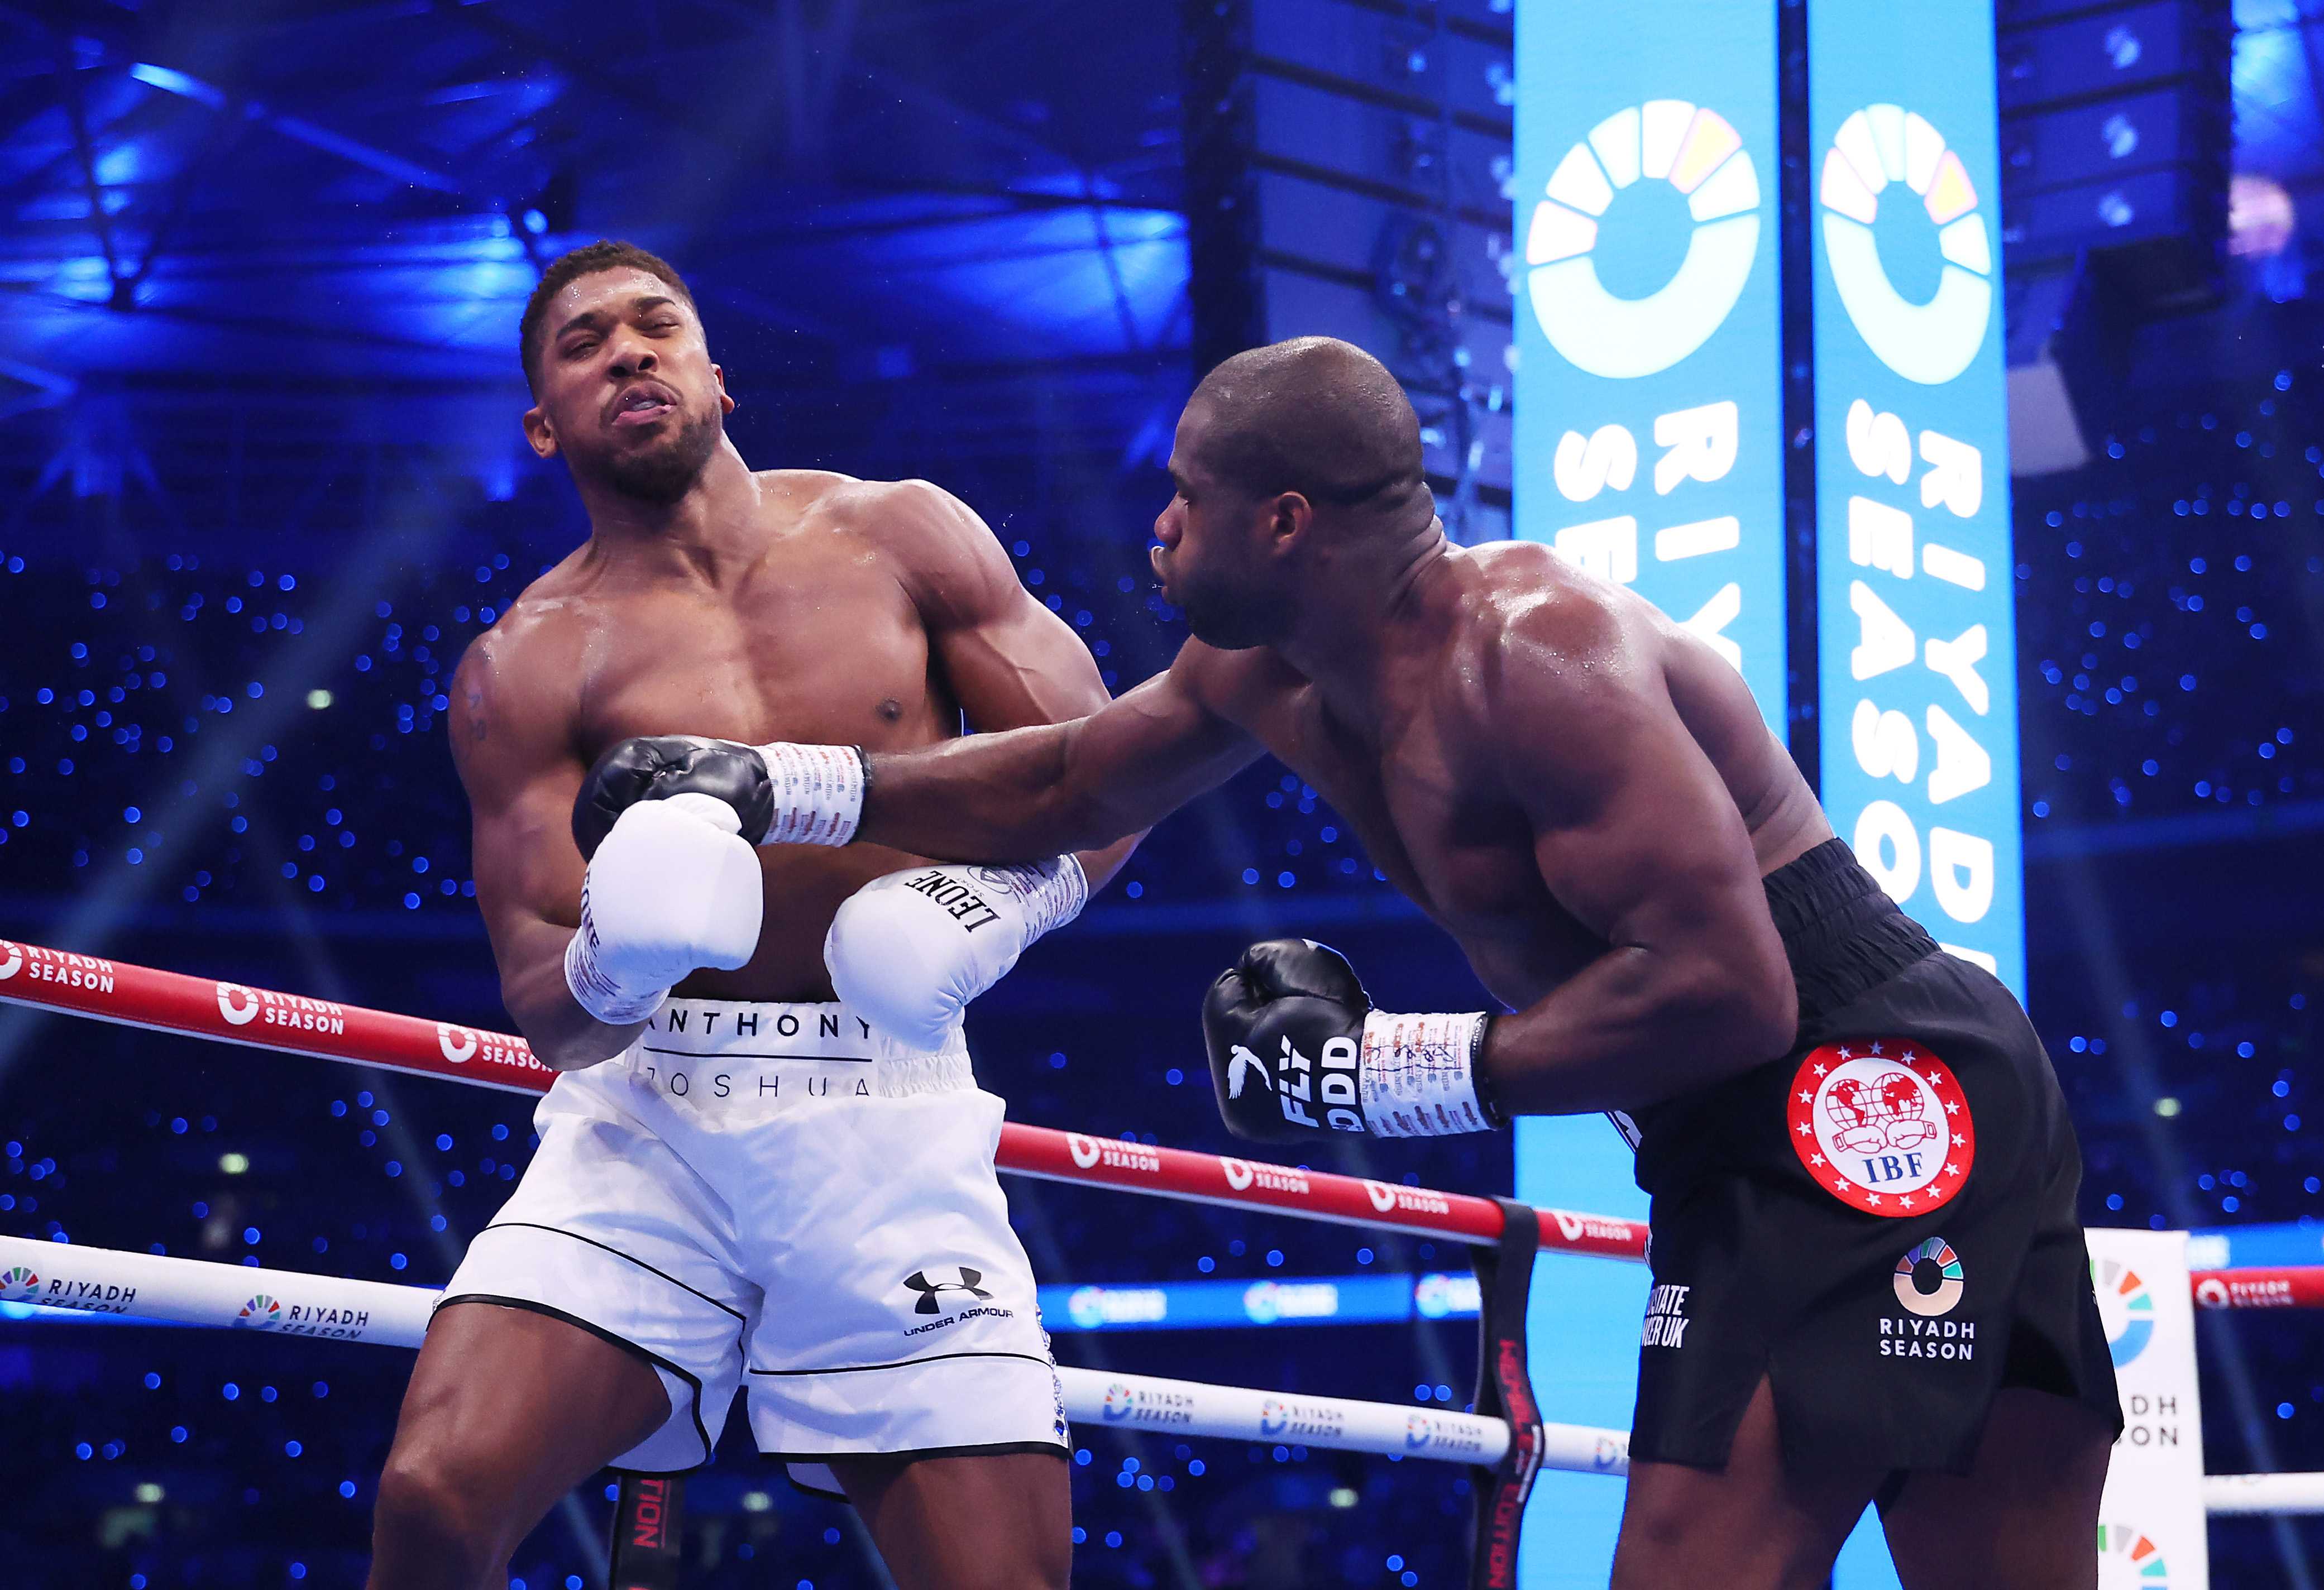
260 484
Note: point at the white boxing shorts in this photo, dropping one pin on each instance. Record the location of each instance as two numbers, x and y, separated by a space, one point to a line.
776 1199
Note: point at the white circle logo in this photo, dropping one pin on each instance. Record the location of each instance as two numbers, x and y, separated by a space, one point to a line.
1383 1196
455 1050
1876 147
1084 1150
238 1004
13 965
2212 1292
1695 150
1239 1174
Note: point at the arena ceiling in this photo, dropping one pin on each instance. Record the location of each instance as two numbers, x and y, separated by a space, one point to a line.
280 231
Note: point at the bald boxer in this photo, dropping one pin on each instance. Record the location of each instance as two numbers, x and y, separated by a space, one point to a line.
746 1179
1869 1282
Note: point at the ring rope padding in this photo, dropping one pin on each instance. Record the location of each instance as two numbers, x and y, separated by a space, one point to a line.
260 1018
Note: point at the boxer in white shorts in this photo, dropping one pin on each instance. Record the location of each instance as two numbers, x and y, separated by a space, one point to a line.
767 1167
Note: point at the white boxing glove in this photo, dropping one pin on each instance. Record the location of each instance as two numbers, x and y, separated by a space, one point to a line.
909 950
671 888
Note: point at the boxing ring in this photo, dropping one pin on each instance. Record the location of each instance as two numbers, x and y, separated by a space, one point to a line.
1505 1442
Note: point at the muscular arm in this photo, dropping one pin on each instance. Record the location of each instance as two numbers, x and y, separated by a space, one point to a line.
511 741
1012 663
1030 792
1634 834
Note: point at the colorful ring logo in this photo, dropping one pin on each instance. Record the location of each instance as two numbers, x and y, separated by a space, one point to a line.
2127 1309
1119 1401
1929 1305
1875 147
261 1313
17 1278
2126 1559
1697 152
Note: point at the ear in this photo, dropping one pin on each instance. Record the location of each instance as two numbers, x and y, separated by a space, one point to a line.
1288 517
726 404
538 434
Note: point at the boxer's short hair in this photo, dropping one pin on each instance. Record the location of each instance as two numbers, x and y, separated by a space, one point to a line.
587 261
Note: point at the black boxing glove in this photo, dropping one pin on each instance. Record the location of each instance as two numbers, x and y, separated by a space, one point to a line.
783 794
1296 1049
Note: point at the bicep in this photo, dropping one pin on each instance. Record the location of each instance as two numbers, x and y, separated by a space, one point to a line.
522 775
1009 661
1017 664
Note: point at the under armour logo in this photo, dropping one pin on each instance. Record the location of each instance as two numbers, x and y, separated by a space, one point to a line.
1239 1065
918 1281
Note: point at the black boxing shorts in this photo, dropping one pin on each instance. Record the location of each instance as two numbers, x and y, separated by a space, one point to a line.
1881 1223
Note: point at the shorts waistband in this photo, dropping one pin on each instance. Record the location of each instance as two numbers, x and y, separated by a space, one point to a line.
1841 933
816 1037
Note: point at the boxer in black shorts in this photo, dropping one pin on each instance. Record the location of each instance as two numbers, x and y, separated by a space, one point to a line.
1892 1267
1868 1282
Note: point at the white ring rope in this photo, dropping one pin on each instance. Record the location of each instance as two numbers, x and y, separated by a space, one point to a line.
76 1280
69 1278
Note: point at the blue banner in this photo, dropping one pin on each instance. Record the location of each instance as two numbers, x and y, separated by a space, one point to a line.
1209 1305
1649 413
1917 670
1648 432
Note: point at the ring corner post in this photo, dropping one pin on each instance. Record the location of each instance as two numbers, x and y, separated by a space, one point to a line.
646 1516
1505 1392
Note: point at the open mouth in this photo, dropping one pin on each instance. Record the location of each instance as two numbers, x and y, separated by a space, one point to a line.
643 405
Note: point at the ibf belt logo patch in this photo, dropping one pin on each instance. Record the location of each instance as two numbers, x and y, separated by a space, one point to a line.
1883 1126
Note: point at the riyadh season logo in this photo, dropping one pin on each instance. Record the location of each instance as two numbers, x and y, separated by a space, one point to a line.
1884 146
456 1043
1696 151
260 1313
2128 1558
18 1282
238 1004
1119 1402
13 964
1944 1294
2125 1308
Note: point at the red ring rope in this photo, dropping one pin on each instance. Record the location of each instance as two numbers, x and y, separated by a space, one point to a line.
290 1024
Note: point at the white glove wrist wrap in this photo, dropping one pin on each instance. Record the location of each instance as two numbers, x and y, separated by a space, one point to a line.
818 793
1054 892
595 988
1418 1074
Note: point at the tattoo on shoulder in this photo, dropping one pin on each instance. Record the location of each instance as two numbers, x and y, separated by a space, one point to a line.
472 687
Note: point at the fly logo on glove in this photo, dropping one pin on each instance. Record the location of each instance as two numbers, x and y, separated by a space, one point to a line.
1338 1064
1243 1064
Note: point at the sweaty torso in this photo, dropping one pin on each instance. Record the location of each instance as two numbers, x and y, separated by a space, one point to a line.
1434 815
815 641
